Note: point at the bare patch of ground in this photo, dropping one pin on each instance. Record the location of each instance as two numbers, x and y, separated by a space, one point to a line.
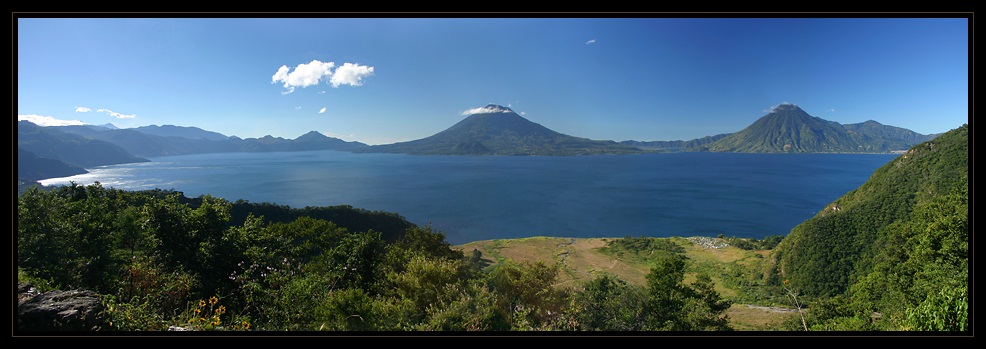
744 317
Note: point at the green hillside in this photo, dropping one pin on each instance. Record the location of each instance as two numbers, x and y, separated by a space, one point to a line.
893 245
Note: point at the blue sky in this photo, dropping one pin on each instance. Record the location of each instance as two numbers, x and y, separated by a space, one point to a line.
381 81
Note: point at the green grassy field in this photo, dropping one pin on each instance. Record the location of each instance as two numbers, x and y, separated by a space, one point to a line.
736 272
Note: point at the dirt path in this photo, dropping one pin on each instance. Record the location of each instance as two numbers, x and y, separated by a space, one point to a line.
564 255
778 310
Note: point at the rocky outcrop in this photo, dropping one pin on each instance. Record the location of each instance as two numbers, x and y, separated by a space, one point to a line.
73 310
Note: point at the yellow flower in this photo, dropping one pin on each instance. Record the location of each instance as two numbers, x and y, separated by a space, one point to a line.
221 310
213 300
201 303
198 311
246 325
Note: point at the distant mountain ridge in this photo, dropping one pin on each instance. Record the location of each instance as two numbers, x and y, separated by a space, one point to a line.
498 130
72 149
59 151
492 130
181 131
312 140
151 141
681 145
874 136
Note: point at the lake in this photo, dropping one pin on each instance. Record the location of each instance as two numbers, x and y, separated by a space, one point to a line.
491 197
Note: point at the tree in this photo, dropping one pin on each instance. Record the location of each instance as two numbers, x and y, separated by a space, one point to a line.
674 306
527 293
666 293
610 304
357 260
425 282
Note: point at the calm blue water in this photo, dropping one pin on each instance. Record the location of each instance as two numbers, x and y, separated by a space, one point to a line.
487 197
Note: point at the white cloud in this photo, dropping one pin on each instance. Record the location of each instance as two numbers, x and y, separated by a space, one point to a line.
304 75
523 113
351 74
117 115
771 109
321 111
42 120
297 108
832 110
82 110
590 42
486 110
316 72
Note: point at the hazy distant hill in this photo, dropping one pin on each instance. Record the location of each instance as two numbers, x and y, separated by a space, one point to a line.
52 143
312 140
876 137
788 129
31 168
681 145
497 130
181 131
167 140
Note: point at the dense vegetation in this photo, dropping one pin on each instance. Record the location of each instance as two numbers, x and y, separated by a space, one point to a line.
767 243
894 253
161 260
640 247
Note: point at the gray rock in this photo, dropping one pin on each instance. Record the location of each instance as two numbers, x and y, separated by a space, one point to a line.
73 310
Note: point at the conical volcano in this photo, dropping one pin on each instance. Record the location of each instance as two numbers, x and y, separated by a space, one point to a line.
498 130
788 129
